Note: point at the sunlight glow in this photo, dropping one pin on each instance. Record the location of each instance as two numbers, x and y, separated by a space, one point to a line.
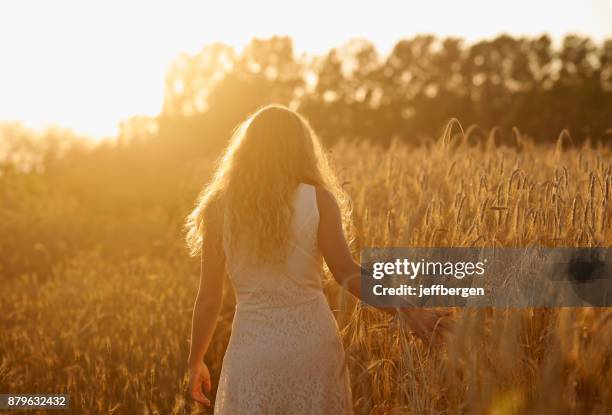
88 65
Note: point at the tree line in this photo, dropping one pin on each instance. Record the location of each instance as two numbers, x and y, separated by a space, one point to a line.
354 92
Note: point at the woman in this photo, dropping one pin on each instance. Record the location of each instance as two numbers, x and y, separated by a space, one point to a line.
270 215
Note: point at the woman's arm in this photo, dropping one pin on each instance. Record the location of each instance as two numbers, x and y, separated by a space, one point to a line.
333 245
335 250
206 308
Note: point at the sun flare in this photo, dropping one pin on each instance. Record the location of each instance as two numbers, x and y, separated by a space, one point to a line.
87 66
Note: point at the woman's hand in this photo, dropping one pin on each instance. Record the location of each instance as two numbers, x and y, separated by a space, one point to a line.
198 375
428 324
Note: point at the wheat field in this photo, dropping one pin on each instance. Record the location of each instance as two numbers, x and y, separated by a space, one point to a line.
114 334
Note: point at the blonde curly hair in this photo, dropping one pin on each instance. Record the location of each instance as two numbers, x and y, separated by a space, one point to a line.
270 153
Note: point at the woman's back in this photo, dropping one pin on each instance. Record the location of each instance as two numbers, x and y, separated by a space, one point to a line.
285 354
297 278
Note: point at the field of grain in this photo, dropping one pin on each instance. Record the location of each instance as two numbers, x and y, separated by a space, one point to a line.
113 331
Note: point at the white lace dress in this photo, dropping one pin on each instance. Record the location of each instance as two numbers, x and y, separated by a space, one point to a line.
285 354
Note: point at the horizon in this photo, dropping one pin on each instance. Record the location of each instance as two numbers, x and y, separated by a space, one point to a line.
91 82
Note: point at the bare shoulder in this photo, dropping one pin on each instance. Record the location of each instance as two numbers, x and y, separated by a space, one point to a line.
326 201
213 215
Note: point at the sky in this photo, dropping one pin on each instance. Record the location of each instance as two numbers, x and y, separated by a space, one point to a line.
86 65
